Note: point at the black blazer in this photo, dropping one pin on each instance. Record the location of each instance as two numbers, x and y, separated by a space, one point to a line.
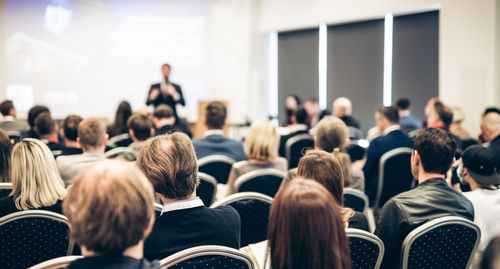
182 229
7 206
169 100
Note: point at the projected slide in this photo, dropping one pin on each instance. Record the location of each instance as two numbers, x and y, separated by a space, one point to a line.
85 56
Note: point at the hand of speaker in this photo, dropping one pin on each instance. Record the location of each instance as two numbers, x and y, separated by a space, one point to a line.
154 94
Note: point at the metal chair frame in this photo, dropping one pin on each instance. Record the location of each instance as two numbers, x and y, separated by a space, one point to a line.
357 233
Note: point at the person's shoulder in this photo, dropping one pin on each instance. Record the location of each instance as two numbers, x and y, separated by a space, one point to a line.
240 164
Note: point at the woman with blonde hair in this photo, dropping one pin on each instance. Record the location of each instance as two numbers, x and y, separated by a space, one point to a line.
261 147
5 149
324 168
36 183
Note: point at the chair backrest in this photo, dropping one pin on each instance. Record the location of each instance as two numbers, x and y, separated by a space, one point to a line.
5 189
355 133
119 151
355 199
41 234
121 140
394 175
366 249
266 181
210 256
217 166
253 209
207 190
56 263
446 242
295 146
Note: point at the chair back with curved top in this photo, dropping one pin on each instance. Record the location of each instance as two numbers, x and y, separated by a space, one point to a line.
366 249
5 189
56 263
266 181
217 166
215 257
207 190
295 148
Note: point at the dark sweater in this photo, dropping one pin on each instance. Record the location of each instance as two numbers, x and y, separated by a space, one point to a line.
7 206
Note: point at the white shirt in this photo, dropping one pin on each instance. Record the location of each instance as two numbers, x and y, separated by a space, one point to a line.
214 132
182 204
391 128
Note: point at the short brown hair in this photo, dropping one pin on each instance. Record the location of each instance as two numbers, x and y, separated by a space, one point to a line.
109 207
91 133
70 127
215 115
444 113
262 142
331 133
163 112
391 113
44 124
169 162
141 125
6 106
436 149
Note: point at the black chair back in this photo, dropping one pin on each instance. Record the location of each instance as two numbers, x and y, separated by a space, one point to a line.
121 140
355 199
295 148
218 166
33 236
366 249
207 188
215 257
468 142
5 189
265 181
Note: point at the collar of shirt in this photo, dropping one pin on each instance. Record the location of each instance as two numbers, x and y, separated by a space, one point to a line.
391 128
182 204
214 132
8 118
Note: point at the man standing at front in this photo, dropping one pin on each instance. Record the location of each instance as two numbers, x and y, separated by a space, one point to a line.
166 92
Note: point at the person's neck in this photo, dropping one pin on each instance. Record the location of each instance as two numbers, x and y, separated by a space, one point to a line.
169 200
404 113
424 176
253 160
135 251
48 136
474 185
71 144
98 149
139 143
165 122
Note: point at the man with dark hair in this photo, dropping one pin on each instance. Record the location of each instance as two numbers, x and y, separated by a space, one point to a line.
214 142
140 128
32 114
298 127
9 122
169 162
69 132
441 116
166 92
407 121
46 130
164 121
432 157
387 119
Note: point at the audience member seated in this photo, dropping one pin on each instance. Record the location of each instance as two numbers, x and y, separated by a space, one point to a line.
342 108
456 127
32 114
314 114
92 139
291 103
491 256
70 134
387 119
306 229
432 198
110 213
298 127
46 130
169 162
407 121
164 121
36 184
214 142
324 168
119 126
5 150
429 108
9 122
479 170
490 130
441 116
140 128
261 146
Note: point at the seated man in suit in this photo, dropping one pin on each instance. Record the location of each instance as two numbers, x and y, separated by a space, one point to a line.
298 127
387 119
214 142
169 162
342 108
407 121
9 122
110 213
70 133
164 121
433 155
441 116
46 130
92 138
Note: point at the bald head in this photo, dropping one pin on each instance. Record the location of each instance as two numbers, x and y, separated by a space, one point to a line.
490 125
342 106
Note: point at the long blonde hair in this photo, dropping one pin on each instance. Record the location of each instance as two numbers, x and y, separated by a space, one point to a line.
35 179
262 142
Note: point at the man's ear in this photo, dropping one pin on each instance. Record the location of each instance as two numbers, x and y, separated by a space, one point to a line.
149 228
315 142
61 131
131 133
152 132
416 157
106 138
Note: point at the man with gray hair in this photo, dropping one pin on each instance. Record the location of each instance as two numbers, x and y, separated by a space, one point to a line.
342 108
490 129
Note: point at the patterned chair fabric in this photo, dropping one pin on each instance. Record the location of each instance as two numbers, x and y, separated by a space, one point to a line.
218 166
447 242
207 188
5 189
254 213
265 181
366 249
295 148
215 257
33 236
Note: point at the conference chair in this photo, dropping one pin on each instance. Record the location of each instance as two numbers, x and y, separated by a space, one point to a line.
215 257
295 148
207 190
366 249
14 136
33 236
394 175
56 263
121 140
5 189
266 181
358 201
126 152
446 242
254 214
355 133
217 166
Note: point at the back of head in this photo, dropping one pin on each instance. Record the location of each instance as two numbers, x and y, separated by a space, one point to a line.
169 162
300 115
44 124
91 134
113 202
215 115
6 107
491 110
403 103
492 122
141 125
262 142
163 112
436 149
342 106
123 112
306 229
34 112
390 113
35 179
331 133
5 150
70 127
444 113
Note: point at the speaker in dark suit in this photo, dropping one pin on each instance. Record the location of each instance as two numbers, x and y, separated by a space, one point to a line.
166 92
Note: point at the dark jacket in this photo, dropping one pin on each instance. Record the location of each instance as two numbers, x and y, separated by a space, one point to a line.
219 145
112 262
406 211
168 129
351 121
167 101
495 146
359 221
